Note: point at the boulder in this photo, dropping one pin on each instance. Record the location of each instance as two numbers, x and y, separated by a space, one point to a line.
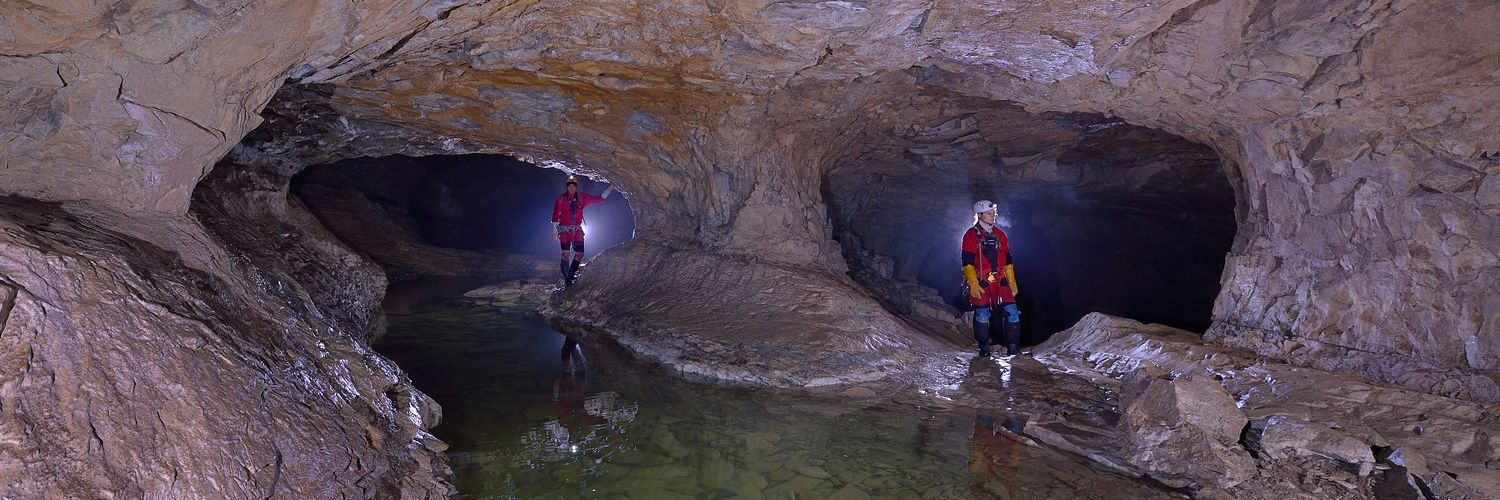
1183 430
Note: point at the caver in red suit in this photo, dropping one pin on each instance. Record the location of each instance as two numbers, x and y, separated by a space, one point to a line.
990 278
567 217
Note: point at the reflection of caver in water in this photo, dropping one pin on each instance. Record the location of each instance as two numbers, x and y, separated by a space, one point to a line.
990 277
567 216
994 452
568 397
572 359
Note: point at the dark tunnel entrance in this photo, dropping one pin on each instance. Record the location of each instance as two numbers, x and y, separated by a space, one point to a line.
1102 216
477 215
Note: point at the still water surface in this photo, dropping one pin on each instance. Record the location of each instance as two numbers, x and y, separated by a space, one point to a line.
520 427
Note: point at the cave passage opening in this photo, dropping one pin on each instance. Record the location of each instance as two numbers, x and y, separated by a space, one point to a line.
1102 216
481 216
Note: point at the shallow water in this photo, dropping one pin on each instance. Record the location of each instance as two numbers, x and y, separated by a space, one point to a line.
519 427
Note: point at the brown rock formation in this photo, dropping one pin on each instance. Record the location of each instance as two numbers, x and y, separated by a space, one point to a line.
1358 136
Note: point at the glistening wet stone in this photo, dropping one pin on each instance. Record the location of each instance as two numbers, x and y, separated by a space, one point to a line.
521 428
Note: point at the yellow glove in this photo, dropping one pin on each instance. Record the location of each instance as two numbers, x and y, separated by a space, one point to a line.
971 276
1010 278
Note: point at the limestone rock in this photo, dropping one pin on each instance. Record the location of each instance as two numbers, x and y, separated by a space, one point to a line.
840 335
1302 420
120 350
1281 437
1183 430
1356 148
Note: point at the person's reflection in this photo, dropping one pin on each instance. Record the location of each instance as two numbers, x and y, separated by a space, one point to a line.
572 359
993 454
569 392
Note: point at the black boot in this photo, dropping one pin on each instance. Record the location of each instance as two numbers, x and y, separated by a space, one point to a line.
573 273
982 336
1012 333
566 275
569 352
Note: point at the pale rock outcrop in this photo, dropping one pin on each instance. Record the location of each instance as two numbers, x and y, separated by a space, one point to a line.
1279 436
708 317
1184 430
1295 413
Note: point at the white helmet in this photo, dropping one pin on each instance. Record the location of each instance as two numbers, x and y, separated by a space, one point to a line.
983 206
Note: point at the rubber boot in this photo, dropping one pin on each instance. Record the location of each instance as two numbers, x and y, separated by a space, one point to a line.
982 336
1012 333
573 272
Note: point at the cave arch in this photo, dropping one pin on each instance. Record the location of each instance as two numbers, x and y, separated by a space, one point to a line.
472 208
1103 215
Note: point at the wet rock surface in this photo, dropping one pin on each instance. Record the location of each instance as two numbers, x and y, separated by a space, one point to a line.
170 366
1184 431
1324 434
713 318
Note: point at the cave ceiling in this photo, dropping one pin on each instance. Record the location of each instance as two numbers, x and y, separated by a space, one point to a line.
595 84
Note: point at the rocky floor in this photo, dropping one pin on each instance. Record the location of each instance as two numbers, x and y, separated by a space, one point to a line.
1155 402
730 320
141 358
1158 404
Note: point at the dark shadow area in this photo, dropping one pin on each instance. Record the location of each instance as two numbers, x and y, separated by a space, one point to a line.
1102 216
444 215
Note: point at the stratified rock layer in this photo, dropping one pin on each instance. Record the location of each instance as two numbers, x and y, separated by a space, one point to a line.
1332 426
169 367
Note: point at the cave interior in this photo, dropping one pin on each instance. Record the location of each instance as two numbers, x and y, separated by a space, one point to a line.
1255 240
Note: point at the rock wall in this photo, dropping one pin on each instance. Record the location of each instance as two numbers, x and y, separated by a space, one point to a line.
377 207
132 103
143 359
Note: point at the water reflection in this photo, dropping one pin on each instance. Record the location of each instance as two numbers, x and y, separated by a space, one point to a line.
994 452
521 427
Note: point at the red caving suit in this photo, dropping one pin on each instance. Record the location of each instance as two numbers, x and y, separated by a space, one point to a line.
990 253
569 212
